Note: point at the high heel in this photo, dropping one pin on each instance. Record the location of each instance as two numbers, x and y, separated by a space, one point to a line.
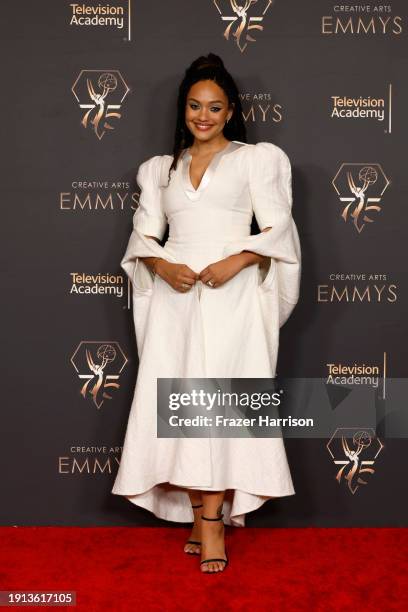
189 552
214 559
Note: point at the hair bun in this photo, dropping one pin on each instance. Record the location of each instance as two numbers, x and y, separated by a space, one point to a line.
209 61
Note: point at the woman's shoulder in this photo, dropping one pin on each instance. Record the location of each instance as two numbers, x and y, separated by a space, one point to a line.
265 152
155 161
153 167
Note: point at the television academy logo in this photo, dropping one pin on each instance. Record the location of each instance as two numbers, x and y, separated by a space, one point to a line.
241 25
355 449
104 17
106 284
375 108
361 186
100 365
343 375
92 89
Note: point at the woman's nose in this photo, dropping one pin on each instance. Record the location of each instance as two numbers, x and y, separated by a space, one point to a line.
203 115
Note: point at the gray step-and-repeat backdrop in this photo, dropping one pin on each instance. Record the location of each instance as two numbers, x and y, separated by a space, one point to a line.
88 93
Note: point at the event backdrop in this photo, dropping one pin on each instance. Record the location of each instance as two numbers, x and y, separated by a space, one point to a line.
88 93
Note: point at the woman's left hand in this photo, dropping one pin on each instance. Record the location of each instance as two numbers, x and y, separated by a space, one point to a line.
222 271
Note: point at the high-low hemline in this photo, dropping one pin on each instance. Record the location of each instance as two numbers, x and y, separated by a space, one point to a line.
168 501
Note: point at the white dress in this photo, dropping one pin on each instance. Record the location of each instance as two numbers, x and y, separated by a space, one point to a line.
230 331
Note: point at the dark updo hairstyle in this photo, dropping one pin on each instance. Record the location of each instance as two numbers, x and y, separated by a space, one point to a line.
203 68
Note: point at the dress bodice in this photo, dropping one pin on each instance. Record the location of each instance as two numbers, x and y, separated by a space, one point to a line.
219 208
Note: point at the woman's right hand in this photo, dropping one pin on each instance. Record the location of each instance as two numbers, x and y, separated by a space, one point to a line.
177 275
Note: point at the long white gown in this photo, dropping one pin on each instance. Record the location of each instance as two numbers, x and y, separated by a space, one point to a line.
230 331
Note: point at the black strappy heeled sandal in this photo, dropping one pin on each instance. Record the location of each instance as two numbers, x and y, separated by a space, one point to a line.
189 552
215 559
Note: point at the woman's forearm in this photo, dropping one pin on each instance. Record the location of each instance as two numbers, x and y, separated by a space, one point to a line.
248 258
150 262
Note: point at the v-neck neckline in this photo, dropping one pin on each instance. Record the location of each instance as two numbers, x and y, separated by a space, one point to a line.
192 193
189 156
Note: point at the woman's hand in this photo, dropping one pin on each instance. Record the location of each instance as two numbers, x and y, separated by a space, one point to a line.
222 271
179 276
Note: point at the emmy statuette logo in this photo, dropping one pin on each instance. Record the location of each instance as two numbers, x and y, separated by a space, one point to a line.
101 94
360 186
355 450
240 23
99 364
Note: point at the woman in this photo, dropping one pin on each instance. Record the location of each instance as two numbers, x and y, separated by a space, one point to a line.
208 303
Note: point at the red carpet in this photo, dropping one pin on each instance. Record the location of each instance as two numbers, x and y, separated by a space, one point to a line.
117 568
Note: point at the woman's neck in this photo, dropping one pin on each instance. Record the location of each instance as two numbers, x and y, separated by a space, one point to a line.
203 148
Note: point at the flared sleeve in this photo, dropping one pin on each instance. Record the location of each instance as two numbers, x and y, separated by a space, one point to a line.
270 187
149 219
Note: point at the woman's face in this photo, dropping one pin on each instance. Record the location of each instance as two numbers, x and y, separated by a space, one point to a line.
206 110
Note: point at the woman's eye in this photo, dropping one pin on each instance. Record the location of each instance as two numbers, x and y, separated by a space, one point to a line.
214 109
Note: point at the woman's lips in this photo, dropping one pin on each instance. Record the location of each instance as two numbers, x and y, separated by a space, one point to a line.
203 126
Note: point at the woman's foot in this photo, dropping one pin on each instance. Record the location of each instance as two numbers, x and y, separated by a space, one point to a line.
213 545
193 545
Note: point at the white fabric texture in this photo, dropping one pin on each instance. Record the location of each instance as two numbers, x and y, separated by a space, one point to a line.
230 331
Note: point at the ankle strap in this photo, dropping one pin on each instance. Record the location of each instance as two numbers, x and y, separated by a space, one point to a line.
206 518
198 506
